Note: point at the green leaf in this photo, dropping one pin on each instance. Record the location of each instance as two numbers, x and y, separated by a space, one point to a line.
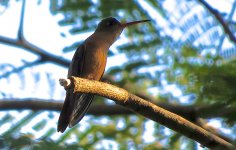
135 65
114 70
40 125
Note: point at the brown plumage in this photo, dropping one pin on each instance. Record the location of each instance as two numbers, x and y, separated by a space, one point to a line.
89 61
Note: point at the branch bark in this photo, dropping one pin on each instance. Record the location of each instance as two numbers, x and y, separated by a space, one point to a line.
149 110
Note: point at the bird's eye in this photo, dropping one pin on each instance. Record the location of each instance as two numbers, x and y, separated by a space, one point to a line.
110 23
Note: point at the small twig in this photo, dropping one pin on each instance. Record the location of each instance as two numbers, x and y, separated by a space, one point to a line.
20 33
229 19
220 19
18 69
65 82
149 110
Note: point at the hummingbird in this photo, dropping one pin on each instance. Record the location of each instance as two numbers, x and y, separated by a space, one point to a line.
89 61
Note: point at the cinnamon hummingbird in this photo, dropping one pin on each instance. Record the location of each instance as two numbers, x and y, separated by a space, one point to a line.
89 62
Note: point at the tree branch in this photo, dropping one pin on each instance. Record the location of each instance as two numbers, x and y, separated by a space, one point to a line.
192 113
149 110
43 54
21 42
220 19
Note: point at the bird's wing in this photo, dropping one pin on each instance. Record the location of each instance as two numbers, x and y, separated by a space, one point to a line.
77 63
81 101
72 99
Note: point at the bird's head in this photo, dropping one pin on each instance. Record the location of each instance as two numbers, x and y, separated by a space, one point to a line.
112 28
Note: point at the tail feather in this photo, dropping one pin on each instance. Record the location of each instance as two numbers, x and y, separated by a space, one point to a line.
66 112
81 107
74 108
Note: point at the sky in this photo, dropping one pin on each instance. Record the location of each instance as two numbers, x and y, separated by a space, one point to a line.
38 22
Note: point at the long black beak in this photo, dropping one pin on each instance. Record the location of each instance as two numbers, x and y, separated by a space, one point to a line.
133 23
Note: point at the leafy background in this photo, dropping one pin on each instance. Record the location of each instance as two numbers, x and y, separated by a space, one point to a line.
184 57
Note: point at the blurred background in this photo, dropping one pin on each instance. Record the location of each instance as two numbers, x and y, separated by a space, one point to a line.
183 60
